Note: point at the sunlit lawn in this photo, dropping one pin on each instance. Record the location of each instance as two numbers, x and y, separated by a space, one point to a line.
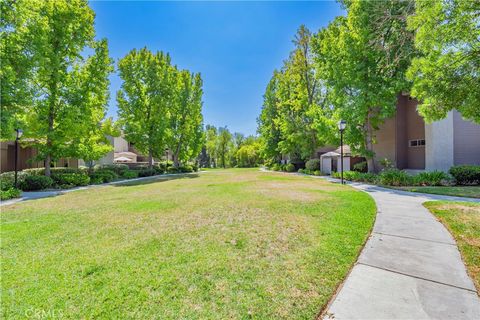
459 191
225 244
463 221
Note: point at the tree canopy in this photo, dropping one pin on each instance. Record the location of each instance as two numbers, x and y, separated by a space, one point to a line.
446 74
48 85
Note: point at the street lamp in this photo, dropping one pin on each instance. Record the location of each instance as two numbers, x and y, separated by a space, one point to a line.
19 134
341 127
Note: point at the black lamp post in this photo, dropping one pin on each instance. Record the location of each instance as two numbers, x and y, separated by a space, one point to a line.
19 133
341 127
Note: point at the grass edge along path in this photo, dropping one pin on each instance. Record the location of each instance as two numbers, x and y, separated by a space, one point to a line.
462 219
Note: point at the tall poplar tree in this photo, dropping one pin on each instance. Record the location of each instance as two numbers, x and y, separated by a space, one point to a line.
145 99
66 95
186 120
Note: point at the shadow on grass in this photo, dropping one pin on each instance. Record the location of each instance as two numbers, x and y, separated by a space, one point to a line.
154 179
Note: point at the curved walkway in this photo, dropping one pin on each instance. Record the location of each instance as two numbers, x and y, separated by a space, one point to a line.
410 267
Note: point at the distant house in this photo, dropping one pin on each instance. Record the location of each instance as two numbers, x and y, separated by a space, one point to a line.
409 143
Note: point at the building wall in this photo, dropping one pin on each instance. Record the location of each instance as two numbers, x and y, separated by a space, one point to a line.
384 146
439 144
415 131
120 144
466 141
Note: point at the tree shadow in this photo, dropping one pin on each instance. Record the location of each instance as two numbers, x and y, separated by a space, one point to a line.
155 179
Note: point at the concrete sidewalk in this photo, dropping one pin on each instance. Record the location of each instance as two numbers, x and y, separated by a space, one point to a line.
410 267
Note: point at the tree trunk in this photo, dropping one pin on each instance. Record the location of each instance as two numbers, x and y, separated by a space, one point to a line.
150 159
176 162
369 145
48 161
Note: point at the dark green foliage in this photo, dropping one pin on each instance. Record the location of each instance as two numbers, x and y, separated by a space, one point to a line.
466 174
103 176
7 179
129 174
313 164
434 178
276 167
395 177
185 169
360 167
9 194
118 168
290 167
68 180
172 170
146 172
57 170
33 183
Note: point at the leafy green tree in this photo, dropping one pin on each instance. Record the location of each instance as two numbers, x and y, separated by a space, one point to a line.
224 146
211 144
65 95
186 120
363 58
446 75
15 92
248 154
145 99
268 126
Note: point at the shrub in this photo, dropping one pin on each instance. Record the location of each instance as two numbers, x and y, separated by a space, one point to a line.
195 167
360 167
368 177
32 183
313 164
67 180
103 176
172 170
146 173
434 178
57 170
466 174
394 177
186 168
301 170
276 167
7 179
317 173
117 168
351 175
129 174
290 167
9 193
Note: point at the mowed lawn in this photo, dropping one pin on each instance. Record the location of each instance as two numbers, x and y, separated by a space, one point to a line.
225 244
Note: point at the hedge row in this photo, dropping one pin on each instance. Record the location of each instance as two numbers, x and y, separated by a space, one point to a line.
64 178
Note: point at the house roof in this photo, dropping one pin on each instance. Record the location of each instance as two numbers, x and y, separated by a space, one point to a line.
330 154
346 150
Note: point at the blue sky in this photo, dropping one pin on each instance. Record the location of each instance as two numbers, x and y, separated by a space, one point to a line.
234 45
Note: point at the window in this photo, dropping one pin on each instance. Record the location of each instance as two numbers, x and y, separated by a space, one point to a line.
416 143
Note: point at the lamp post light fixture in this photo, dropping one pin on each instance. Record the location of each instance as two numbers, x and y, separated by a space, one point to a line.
19 133
341 127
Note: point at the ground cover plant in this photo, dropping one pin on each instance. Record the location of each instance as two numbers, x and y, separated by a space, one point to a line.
224 244
462 219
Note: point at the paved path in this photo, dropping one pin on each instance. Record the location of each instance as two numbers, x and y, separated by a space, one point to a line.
410 267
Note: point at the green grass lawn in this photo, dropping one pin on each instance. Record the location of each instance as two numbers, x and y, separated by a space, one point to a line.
458 191
224 244
463 221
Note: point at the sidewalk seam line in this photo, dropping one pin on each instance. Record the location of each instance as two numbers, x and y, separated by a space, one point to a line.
411 238
417 277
